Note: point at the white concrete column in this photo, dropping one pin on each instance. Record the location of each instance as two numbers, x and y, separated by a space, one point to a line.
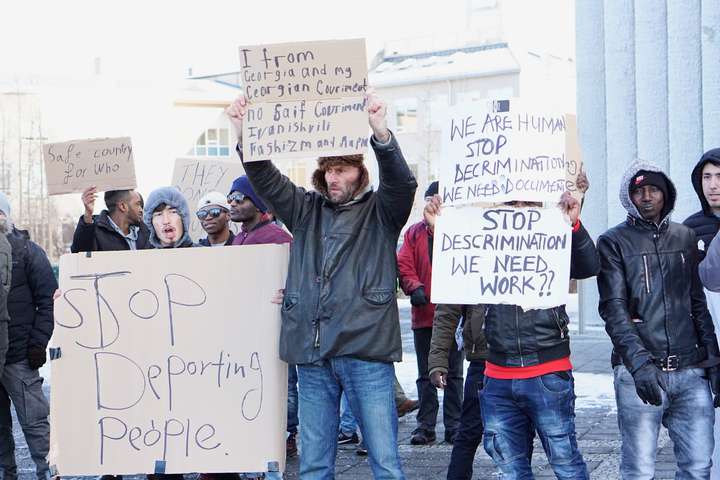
620 97
710 31
651 78
590 47
685 108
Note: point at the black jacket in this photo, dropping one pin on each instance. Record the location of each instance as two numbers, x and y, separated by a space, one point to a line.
205 242
100 236
518 338
704 223
651 298
30 301
5 282
340 289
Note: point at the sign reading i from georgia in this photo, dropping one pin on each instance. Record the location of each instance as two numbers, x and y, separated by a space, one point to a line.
73 166
498 151
305 99
518 256
168 362
196 177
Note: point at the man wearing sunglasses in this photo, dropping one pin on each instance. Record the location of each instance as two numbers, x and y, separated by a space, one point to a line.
214 215
249 210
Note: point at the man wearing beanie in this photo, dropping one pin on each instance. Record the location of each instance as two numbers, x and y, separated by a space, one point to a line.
340 318
249 210
30 308
213 213
665 353
415 267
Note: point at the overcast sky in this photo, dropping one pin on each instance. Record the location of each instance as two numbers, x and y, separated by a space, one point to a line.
139 38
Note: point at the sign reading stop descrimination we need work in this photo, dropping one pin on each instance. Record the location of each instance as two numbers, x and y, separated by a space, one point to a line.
168 363
503 255
498 151
305 99
73 166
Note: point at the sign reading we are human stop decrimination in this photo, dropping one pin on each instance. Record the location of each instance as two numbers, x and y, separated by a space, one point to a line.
499 151
165 363
305 99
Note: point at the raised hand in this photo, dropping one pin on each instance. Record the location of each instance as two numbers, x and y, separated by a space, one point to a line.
377 111
236 113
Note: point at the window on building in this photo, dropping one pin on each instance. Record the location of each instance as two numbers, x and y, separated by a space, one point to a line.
296 171
213 142
406 115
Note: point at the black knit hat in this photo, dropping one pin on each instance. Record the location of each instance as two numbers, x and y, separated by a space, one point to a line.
645 177
432 189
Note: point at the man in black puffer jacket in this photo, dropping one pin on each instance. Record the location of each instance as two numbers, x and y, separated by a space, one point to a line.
664 342
30 305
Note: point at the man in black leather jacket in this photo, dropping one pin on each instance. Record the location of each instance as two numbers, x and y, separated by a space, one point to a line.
654 310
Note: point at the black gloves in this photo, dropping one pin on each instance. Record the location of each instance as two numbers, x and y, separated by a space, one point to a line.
418 297
713 374
36 357
648 382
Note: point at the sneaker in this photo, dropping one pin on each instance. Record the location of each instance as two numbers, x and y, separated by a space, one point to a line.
450 436
406 407
422 437
361 450
348 439
291 446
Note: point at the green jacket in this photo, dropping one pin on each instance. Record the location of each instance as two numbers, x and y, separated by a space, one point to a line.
5 280
447 318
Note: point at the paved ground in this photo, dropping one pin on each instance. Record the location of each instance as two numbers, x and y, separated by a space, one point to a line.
596 426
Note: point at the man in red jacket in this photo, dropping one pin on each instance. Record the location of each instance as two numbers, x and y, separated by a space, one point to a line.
415 267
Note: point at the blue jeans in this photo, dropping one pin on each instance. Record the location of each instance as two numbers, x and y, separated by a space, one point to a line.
470 430
687 412
510 409
348 424
292 405
369 387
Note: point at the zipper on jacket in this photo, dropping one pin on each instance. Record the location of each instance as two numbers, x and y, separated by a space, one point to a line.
317 334
656 236
647 274
517 326
557 321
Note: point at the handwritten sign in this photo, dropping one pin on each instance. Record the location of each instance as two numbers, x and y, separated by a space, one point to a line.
518 256
167 358
573 156
197 177
73 166
498 151
305 99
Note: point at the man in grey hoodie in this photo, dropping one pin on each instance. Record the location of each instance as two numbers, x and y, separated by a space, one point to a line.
665 353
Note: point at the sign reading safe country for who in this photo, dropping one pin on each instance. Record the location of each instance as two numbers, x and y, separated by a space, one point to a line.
498 151
73 166
305 99
166 359
502 255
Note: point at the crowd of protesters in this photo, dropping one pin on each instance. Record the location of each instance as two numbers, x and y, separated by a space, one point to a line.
340 332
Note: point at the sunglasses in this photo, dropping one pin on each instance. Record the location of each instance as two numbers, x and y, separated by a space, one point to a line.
210 212
238 197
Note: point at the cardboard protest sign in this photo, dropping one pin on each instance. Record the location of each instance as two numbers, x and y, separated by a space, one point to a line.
573 156
169 363
498 151
73 166
196 177
306 99
506 255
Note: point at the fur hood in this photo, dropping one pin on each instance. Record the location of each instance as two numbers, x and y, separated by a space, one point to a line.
631 171
170 196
